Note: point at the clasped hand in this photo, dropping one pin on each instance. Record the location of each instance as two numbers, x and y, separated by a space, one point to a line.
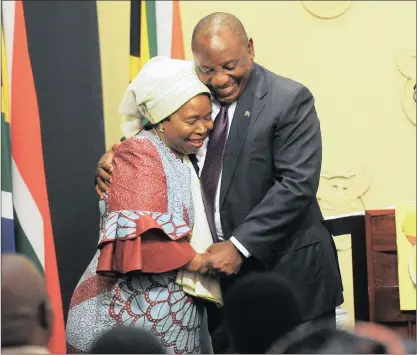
221 259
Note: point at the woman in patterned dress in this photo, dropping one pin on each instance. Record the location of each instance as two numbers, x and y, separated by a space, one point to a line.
147 217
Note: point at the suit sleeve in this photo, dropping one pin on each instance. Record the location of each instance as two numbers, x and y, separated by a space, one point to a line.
297 162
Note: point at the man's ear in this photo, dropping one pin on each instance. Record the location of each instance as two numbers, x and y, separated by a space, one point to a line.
45 316
251 49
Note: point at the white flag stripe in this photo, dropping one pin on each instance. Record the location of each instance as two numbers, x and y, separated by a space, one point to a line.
6 205
28 214
164 19
8 9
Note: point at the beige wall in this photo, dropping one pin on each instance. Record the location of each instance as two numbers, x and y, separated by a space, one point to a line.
114 34
348 62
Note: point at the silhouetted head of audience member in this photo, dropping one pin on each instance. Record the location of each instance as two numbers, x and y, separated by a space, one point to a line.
393 341
259 309
315 338
124 340
26 315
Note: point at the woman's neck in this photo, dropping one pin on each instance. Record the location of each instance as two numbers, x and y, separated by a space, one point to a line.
161 137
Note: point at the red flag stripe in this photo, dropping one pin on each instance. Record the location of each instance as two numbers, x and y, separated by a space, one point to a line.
177 49
28 156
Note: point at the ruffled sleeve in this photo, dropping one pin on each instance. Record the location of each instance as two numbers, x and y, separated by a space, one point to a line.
137 233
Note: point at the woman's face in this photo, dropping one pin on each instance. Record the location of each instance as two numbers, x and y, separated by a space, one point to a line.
187 128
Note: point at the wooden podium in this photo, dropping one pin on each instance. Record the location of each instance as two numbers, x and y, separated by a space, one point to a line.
382 269
375 268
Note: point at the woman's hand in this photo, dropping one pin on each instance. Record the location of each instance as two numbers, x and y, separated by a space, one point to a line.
195 264
104 170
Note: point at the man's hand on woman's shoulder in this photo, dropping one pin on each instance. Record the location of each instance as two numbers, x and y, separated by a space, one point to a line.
104 170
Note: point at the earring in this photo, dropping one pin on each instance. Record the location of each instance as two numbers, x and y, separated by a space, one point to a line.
161 128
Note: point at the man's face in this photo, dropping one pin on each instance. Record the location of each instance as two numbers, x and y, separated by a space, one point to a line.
224 64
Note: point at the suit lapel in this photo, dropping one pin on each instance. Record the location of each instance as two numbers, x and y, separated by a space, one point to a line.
193 160
251 101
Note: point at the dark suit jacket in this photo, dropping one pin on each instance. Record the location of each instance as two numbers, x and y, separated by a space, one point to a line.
271 172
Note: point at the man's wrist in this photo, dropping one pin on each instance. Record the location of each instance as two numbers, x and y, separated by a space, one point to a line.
240 247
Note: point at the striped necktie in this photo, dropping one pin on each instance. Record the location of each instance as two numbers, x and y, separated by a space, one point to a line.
213 163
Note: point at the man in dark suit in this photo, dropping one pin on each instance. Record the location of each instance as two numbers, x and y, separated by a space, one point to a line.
260 172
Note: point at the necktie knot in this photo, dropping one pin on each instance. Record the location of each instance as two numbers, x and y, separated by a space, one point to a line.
222 115
224 108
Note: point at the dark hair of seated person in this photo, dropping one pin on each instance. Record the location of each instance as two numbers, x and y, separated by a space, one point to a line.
124 340
258 309
314 338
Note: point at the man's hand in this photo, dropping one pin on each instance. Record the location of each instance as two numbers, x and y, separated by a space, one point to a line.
104 170
223 258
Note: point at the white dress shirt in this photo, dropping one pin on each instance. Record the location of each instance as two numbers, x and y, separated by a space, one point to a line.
201 157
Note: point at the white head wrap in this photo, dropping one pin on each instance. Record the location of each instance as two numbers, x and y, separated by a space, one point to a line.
162 86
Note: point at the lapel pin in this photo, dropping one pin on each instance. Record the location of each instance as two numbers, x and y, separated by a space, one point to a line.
247 114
